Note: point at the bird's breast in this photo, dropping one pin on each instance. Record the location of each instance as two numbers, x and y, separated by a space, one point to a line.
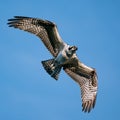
61 58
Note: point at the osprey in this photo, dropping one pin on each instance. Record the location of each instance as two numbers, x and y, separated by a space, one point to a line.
64 56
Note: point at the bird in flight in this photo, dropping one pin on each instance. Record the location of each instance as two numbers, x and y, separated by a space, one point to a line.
64 56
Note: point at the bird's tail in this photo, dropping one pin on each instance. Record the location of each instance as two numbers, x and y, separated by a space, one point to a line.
51 68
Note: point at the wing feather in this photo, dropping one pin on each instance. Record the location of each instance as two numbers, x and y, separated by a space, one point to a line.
87 79
44 29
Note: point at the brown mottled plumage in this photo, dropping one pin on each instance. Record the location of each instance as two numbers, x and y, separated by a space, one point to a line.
64 57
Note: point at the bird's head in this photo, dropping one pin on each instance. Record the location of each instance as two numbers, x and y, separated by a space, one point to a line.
71 50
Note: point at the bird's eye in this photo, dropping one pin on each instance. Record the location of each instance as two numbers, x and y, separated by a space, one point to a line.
69 48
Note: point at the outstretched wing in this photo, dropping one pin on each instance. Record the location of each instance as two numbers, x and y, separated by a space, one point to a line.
86 77
44 29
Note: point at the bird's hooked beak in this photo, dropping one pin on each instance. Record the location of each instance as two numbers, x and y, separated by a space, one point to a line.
75 48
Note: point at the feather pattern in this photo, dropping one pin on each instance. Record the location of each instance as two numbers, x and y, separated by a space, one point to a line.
87 79
44 29
64 56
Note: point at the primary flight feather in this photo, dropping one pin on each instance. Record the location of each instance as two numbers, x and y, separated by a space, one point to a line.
64 56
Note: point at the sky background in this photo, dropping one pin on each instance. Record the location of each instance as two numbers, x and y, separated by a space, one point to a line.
27 92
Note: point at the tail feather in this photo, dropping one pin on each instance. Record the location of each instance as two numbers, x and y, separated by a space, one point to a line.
51 68
56 72
47 64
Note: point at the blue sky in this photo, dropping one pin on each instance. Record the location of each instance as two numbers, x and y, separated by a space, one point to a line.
27 92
